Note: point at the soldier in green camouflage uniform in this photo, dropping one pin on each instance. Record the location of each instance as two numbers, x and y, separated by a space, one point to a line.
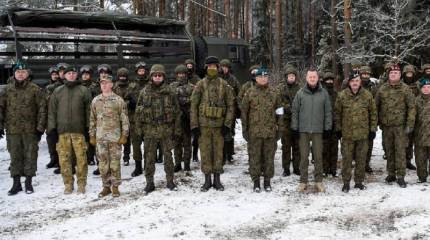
396 113
356 121
330 144
290 145
134 89
193 78
262 126
158 120
109 129
52 139
409 78
86 73
251 82
212 113
422 130
366 83
227 75
184 89
121 89
69 116
23 116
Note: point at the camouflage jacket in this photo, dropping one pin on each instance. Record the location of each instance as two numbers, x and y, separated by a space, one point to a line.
243 90
69 109
371 87
422 120
333 96
355 114
287 92
414 88
259 107
183 92
23 109
395 105
193 79
133 91
157 112
94 87
212 104
108 118
234 83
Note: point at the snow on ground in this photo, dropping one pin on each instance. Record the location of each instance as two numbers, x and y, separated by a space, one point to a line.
380 212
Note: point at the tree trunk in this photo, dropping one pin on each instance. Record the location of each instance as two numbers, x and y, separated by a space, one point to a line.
181 10
334 43
210 19
347 12
312 33
247 21
161 8
236 11
278 13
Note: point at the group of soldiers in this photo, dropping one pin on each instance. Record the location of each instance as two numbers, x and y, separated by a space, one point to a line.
95 120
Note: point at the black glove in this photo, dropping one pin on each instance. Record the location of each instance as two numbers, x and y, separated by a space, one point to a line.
326 134
1 133
295 133
225 130
39 135
339 134
195 132
372 135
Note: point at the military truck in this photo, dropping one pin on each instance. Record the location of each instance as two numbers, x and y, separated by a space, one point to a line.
44 38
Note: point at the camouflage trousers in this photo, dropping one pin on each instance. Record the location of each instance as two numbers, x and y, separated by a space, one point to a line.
304 145
410 148
354 149
290 151
150 150
261 152
369 153
23 150
109 156
211 142
69 144
330 151
51 140
136 143
229 141
394 138
422 157
183 149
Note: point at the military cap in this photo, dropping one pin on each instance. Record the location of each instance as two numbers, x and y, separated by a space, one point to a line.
20 65
424 81
181 69
157 68
211 60
262 72
122 72
365 69
70 68
409 68
225 62
53 69
86 69
104 67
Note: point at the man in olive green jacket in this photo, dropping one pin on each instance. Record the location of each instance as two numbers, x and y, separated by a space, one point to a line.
69 116
311 120
356 120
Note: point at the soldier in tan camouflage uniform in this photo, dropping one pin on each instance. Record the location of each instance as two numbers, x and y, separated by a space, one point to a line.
69 116
158 121
184 89
193 78
23 116
290 144
396 114
109 129
121 88
422 130
356 121
212 113
262 127
227 75
409 78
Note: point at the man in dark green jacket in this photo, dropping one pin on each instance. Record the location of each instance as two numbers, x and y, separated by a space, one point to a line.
311 120
23 116
69 116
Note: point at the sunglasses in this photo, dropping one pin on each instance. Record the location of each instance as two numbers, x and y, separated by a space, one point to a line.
157 75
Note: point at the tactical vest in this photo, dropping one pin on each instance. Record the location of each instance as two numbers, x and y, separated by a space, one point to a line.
157 108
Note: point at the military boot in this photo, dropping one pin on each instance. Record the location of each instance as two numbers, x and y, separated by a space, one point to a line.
320 187
57 170
28 185
195 154
401 182
171 185
296 172
126 162
257 188
150 187
360 186
267 186
52 163
345 188
208 183
302 187
368 169
16 186
68 189
217 182
81 189
138 169
106 191
286 172
410 166
115 191
177 168
390 179
187 167
96 172
422 179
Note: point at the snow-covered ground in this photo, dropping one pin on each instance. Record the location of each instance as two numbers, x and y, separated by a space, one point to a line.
380 212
